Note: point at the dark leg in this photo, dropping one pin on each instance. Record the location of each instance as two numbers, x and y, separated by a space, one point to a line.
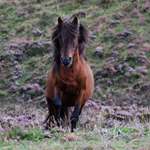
79 104
81 109
74 118
49 119
57 103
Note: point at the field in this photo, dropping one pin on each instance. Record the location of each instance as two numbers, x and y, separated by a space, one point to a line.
117 116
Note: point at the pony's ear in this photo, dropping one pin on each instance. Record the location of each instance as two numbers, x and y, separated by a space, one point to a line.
60 21
75 21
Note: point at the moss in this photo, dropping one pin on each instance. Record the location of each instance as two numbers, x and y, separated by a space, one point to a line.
3 94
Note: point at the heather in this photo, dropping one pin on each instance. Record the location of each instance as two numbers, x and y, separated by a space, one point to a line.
117 115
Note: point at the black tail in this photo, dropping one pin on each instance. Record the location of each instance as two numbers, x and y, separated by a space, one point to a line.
47 118
64 112
64 116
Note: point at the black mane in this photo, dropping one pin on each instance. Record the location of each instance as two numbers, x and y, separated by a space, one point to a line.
73 31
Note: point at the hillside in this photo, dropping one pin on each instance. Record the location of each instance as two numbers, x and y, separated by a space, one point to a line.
118 53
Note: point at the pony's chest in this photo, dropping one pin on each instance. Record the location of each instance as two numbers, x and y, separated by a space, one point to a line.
69 86
72 86
72 80
68 75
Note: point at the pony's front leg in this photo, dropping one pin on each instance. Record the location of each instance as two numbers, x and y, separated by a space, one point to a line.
75 115
57 103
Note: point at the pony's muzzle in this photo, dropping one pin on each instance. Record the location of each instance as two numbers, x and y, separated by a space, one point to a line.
66 61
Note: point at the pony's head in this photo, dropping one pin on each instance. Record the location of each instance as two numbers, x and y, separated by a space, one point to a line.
68 40
67 36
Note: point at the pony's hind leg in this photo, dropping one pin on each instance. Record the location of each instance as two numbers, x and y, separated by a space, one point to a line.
57 103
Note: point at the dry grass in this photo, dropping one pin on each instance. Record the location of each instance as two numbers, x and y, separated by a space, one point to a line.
23 125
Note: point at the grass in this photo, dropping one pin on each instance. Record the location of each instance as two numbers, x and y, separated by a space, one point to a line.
3 93
27 132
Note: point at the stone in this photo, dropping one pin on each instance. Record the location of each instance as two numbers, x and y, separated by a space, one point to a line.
13 46
4 39
36 87
138 58
37 32
142 69
137 85
98 52
147 46
23 14
18 67
90 103
115 53
26 43
79 14
15 77
15 62
38 47
112 23
123 34
131 45
12 89
135 13
97 89
18 53
145 87
102 18
118 16
120 45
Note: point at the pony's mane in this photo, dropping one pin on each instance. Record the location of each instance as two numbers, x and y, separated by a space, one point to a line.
79 31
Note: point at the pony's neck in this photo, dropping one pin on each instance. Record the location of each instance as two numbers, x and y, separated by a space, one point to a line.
76 57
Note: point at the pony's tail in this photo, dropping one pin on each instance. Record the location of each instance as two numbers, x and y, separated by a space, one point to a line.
65 113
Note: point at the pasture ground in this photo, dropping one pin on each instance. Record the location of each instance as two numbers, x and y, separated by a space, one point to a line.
117 116
112 128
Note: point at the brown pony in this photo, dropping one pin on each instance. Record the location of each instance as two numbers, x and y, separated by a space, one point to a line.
70 81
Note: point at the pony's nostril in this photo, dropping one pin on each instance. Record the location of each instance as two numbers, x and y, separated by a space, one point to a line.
70 58
66 60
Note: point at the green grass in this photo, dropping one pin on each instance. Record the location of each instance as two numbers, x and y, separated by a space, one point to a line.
19 134
3 93
91 133
34 139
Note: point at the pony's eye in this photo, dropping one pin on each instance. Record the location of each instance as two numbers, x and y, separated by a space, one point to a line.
74 47
74 44
60 42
